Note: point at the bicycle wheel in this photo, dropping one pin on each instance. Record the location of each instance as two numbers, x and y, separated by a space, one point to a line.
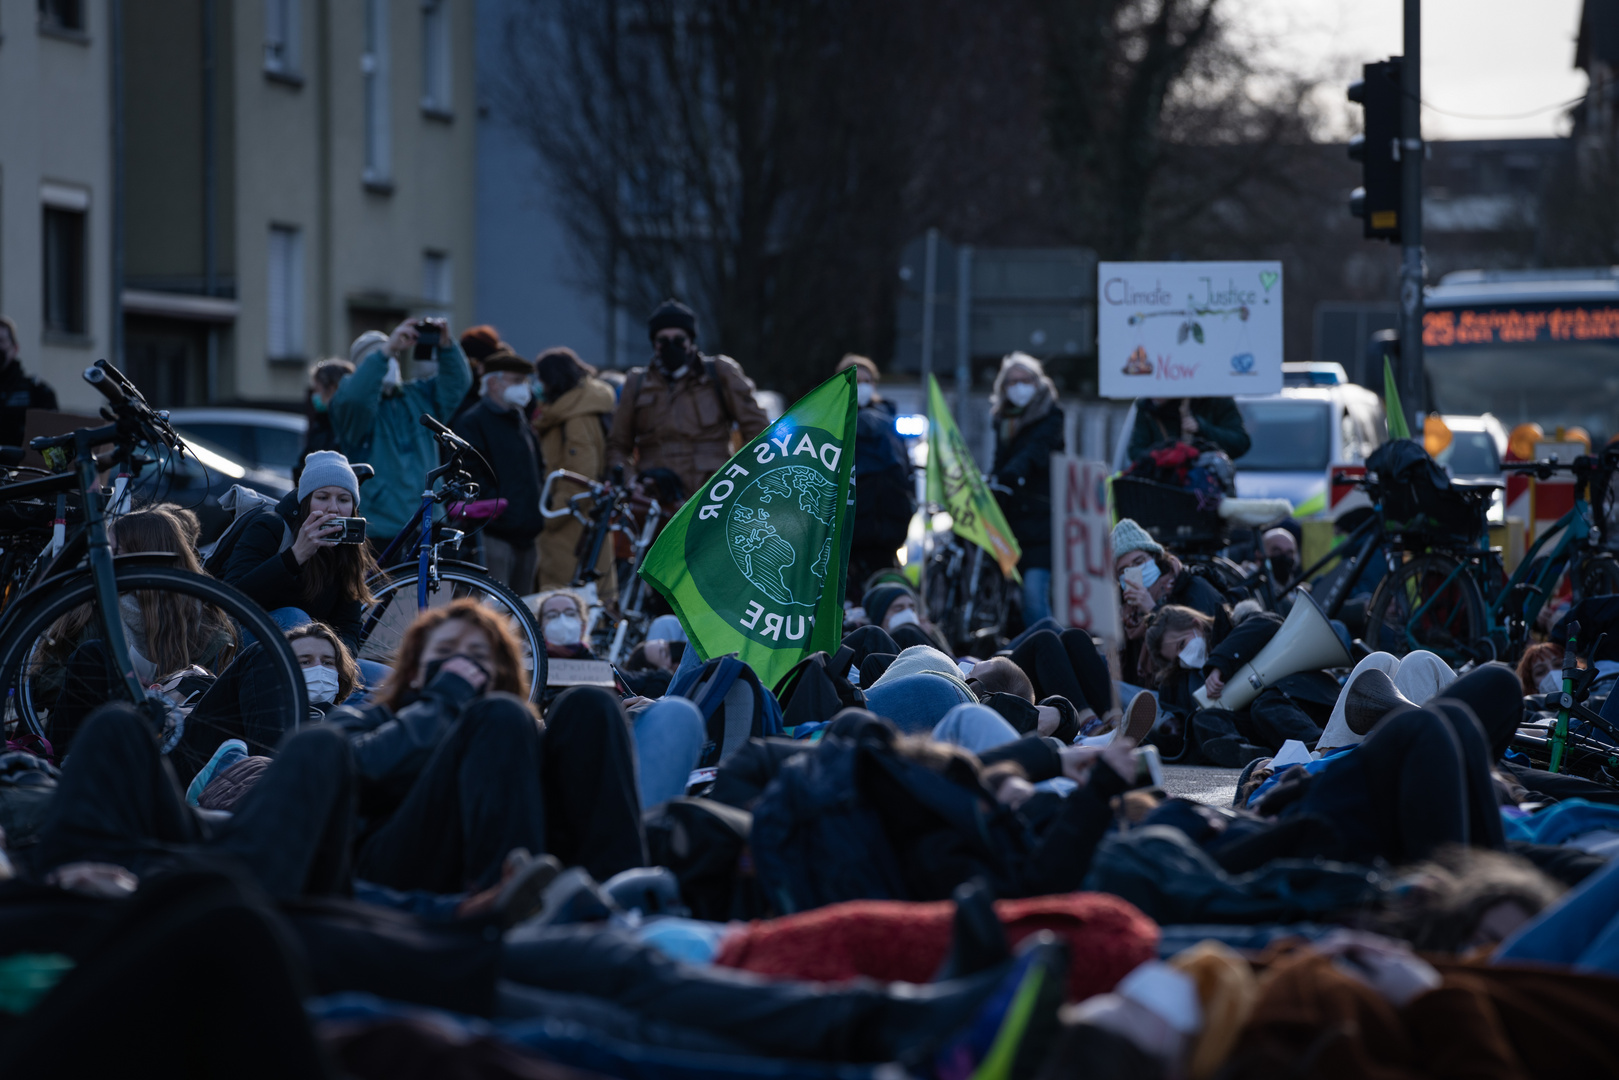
54 667
386 620
1432 603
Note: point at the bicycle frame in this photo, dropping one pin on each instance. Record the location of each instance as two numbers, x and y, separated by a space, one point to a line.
1369 535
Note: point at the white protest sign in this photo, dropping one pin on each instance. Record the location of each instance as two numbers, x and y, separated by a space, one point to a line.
1189 329
1084 593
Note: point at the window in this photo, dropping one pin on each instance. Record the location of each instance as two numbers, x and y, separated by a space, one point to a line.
436 277
62 15
281 37
374 68
286 293
64 271
436 56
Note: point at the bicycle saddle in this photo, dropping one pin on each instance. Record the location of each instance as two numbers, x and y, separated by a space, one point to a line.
362 471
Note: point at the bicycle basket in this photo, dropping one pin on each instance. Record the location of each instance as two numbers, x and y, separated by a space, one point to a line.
1416 507
1183 519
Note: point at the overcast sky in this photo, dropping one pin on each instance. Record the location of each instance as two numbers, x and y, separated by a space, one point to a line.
1490 58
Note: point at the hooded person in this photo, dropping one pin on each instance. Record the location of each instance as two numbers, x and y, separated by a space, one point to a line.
1028 430
895 608
884 495
575 412
497 427
678 411
376 414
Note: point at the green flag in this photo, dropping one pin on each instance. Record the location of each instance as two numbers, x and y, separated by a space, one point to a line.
955 483
755 563
1393 411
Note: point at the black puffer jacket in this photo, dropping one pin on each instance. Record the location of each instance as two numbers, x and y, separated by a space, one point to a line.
391 748
1024 464
271 577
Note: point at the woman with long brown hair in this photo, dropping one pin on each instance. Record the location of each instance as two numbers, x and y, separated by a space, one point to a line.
167 632
456 770
296 563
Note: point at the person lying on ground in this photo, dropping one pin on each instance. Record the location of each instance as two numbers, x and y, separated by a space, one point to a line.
167 633
897 610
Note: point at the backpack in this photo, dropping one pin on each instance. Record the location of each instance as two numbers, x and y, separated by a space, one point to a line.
705 843
735 707
245 506
817 689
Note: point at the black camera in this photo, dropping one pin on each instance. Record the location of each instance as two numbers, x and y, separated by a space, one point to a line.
427 340
353 530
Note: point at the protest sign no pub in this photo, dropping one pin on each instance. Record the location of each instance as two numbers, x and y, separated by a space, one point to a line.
1084 594
1189 329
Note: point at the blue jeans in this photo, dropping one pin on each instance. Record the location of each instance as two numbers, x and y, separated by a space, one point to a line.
975 727
1580 930
1036 596
669 738
372 674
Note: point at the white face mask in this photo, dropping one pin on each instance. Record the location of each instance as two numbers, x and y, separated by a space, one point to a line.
321 683
563 630
1149 575
906 617
1551 682
393 379
1020 394
863 392
519 395
1194 655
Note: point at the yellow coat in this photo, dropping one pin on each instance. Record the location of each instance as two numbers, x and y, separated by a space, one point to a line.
572 437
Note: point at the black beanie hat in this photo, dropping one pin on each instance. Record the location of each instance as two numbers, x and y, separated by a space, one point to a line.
672 315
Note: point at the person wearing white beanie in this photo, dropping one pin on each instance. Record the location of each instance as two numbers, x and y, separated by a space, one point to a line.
376 415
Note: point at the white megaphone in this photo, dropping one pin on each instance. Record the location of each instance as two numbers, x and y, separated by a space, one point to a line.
1305 642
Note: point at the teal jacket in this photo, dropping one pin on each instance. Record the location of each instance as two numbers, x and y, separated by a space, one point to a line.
385 431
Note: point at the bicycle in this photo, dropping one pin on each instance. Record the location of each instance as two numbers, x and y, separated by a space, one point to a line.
967 597
424 577
1454 597
81 572
611 510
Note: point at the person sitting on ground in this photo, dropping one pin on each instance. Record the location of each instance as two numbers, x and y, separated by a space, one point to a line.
1296 706
1280 552
1150 576
563 616
896 609
290 563
455 770
166 632
331 675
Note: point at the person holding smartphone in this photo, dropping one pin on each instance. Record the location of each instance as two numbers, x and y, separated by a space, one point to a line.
306 561
376 414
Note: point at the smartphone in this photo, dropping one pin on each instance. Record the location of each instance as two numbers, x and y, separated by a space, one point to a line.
427 340
353 530
1133 576
1149 767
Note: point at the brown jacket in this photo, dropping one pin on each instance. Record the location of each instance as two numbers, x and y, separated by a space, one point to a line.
683 427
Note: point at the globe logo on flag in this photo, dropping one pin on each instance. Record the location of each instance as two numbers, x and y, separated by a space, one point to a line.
778 523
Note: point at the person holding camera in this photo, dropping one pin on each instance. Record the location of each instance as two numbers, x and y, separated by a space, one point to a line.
376 415
306 561
497 427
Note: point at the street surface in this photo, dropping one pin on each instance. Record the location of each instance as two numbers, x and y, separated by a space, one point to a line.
1202 783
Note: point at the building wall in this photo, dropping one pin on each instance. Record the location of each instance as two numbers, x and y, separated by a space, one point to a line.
53 129
529 285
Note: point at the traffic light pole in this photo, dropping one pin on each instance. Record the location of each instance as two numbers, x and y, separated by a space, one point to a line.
1413 386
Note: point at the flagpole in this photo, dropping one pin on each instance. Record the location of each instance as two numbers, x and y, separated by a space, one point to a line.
927 509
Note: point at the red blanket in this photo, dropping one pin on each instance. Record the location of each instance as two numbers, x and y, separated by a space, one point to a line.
896 941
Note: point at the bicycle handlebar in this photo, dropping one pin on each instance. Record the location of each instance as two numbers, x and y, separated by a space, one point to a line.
97 377
550 482
454 442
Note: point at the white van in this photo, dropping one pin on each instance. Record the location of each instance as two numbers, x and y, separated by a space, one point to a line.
1319 420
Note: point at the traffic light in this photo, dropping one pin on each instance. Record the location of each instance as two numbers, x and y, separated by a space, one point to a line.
1377 200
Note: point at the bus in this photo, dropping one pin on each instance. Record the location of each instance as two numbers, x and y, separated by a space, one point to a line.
1536 346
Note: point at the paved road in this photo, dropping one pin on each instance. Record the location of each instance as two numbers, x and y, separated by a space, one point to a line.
1204 783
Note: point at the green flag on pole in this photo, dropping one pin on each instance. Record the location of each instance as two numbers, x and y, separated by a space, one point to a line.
1393 411
755 563
955 483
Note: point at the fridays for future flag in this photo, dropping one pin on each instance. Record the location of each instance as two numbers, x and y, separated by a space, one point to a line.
955 483
755 563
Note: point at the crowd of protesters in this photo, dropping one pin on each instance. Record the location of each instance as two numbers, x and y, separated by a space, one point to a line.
902 859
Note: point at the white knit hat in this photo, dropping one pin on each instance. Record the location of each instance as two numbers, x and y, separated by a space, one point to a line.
1128 537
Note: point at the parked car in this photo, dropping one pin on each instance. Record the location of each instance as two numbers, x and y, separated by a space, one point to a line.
1477 445
1298 435
257 438
198 478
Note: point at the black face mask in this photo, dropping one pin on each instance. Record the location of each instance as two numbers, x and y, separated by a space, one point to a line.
673 354
1283 566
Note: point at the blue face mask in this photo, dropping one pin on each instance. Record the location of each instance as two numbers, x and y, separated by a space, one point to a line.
1149 575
